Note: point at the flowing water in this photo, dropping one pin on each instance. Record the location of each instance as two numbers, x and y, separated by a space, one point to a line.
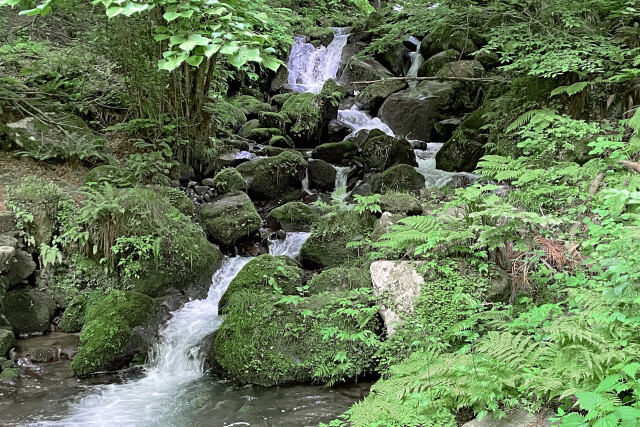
416 61
358 120
342 175
309 67
174 388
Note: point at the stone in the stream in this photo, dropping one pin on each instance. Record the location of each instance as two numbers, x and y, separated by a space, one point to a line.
337 131
399 178
337 153
364 69
273 177
263 135
229 218
464 149
446 128
412 113
7 341
281 141
395 58
294 216
28 312
381 151
48 348
400 283
431 66
465 69
514 418
322 176
272 120
308 116
372 97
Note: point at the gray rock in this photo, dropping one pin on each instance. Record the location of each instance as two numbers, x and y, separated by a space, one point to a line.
400 284
434 64
7 222
7 341
20 267
201 189
48 348
209 182
359 69
28 312
230 218
322 175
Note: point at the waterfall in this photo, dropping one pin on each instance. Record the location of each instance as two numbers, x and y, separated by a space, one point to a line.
175 362
340 188
310 67
416 60
358 120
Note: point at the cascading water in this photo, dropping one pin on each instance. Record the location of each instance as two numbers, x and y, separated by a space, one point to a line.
416 61
358 120
175 362
342 175
309 67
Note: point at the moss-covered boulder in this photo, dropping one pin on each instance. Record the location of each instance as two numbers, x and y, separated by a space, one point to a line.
281 141
273 177
250 106
270 119
263 135
36 202
111 336
464 69
229 218
399 178
73 316
431 66
398 202
114 175
228 180
308 115
380 151
327 245
296 343
176 197
265 272
322 175
339 279
372 97
464 149
364 69
323 34
226 115
294 216
246 128
337 153
7 341
28 312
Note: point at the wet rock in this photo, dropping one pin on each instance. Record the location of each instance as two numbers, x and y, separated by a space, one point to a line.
395 58
272 177
462 42
337 131
337 153
272 120
322 176
413 112
28 312
488 59
446 128
400 177
201 189
7 341
263 135
209 182
230 218
48 348
401 203
280 81
465 68
464 149
308 116
373 96
21 266
431 66
400 284
381 151
364 69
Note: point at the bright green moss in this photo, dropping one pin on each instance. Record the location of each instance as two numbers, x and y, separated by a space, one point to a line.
176 197
339 279
294 216
228 180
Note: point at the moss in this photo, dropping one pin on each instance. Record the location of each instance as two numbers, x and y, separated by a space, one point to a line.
326 247
340 153
79 274
73 317
431 66
281 141
294 216
7 341
339 279
304 112
400 203
230 218
228 180
380 151
374 94
226 115
296 343
263 135
176 197
399 178
273 177
265 272
106 338
250 105
324 34
28 311
270 119
35 202
114 175
332 89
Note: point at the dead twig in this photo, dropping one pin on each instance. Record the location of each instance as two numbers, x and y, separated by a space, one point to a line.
633 166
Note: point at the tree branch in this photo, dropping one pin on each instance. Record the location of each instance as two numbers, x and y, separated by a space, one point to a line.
633 166
464 79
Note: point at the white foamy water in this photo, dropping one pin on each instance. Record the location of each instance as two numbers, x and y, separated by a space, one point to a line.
435 178
309 67
175 362
358 120
290 246
416 61
342 175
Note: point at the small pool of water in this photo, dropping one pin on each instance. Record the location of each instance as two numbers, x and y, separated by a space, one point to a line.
49 391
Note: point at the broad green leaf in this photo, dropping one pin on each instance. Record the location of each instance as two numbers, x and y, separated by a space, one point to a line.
589 400
230 48
161 37
194 61
211 49
271 62
114 11
188 45
170 16
608 384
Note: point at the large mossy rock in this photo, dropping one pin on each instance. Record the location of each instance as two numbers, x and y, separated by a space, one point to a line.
431 66
263 273
294 216
228 180
339 279
337 153
463 69
114 332
399 178
250 106
263 341
327 245
373 96
413 112
381 151
230 218
464 149
308 115
272 177
322 176
37 198
28 312
364 69
176 197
